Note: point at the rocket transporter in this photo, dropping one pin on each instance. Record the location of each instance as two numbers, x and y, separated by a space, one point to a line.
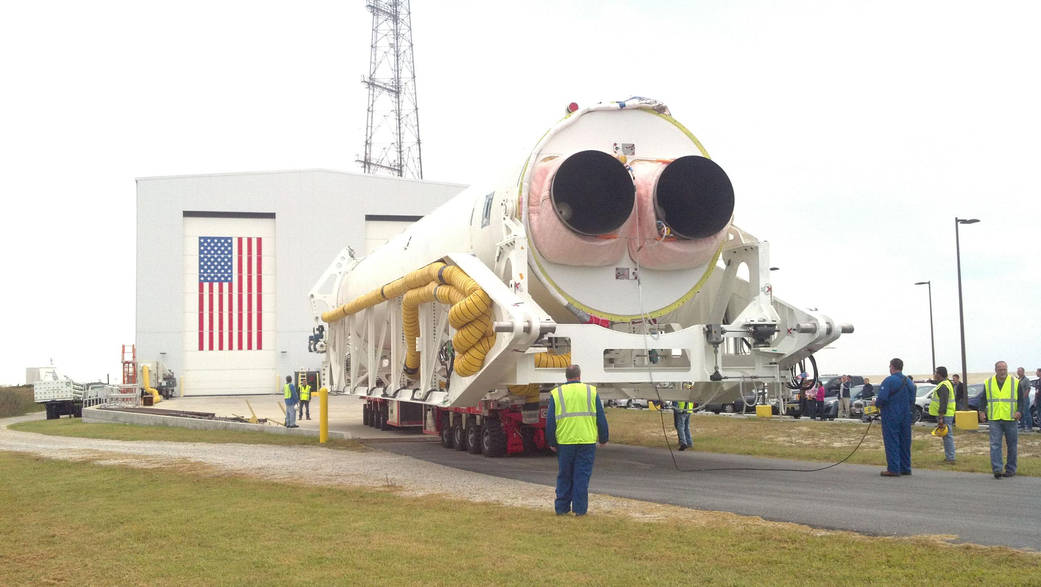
614 251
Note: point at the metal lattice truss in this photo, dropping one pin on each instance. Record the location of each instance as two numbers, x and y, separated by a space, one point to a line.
392 144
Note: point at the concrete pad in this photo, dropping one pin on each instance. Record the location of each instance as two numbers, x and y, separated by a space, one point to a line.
345 416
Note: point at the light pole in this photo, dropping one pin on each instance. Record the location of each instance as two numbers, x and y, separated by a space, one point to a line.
932 336
961 311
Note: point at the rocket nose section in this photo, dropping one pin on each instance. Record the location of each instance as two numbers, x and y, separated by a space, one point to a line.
592 193
694 197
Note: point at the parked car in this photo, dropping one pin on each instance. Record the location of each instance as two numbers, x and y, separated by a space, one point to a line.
617 403
923 395
858 399
974 391
639 404
737 406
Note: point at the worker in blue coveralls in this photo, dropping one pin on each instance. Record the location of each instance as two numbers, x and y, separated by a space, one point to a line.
575 422
895 408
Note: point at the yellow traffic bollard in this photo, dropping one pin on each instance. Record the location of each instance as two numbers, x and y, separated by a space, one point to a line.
323 421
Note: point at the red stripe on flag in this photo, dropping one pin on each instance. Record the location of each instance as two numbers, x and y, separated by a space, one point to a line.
249 294
200 315
220 316
238 252
260 296
211 315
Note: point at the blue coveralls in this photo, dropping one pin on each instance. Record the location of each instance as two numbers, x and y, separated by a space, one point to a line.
574 462
895 396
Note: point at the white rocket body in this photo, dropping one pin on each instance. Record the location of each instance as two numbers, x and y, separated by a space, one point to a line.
616 241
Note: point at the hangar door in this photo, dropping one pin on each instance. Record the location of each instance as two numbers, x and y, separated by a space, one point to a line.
380 228
229 305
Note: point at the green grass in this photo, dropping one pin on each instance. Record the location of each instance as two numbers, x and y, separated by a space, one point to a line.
79 428
17 401
81 523
808 440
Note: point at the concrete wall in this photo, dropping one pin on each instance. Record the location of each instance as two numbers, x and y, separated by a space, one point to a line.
316 213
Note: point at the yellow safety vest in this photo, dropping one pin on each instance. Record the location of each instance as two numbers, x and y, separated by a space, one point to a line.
305 393
574 408
1002 400
685 407
286 392
934 405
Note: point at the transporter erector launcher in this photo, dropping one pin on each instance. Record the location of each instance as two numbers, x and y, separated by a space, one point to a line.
615 251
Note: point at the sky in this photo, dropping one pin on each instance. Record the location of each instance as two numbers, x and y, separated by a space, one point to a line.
854 133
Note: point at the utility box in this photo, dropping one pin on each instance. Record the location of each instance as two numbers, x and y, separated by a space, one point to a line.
762 411
966 420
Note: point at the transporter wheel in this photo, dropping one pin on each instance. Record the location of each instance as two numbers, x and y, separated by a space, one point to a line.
459 437
384 417
493 439
446 433
473 439
366 415
374 417
528 438
916 415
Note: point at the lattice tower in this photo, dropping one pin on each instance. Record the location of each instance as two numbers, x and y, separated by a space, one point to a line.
392 144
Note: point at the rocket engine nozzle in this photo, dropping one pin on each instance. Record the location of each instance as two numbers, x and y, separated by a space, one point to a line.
593 193
694 197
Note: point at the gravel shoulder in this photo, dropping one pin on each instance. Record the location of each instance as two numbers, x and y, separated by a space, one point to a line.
374 469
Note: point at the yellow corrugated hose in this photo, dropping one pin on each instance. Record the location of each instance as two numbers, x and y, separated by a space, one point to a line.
530 392
470 313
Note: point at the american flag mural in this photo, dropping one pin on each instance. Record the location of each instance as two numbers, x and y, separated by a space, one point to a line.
230 293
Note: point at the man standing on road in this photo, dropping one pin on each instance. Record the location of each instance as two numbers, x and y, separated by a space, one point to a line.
942 406
844 397
681 419
896 419
305 399
575 422
291 394
1000 408
961 397
1026 423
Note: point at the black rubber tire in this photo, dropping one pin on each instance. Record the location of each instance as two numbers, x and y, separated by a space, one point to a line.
366 415
446 434
383 417
528 437
916 415
473 439
459 437
493 439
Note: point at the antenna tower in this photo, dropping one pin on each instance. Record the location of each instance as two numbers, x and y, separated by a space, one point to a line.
392 143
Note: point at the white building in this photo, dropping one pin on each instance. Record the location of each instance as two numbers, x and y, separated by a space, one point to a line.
225 264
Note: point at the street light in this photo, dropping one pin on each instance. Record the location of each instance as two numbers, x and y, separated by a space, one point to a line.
932 336
961 311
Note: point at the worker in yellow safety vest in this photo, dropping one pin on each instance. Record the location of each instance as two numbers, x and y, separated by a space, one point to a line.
305 399
291 395
575 422
941 405
1000 408
681 412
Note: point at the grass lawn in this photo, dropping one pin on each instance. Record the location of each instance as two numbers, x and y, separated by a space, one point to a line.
814 440
77 427
81 523
17 401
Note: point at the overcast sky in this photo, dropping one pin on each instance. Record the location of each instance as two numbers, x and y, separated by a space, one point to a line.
854 132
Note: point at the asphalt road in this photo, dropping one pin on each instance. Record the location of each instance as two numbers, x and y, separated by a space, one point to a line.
974 507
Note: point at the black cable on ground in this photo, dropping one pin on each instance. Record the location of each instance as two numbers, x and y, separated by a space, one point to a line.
661 413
